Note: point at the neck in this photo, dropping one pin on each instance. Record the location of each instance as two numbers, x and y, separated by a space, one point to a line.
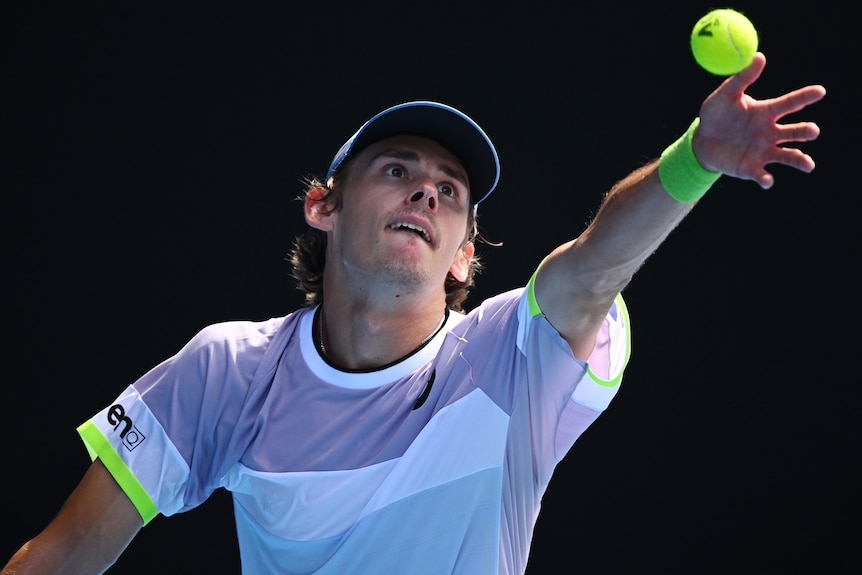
357 340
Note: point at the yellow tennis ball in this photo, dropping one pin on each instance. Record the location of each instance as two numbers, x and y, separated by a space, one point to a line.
724 42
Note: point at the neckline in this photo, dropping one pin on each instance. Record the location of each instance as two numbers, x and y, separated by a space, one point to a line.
367 379
317 333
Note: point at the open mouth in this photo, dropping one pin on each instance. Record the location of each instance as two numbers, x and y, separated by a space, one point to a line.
418 230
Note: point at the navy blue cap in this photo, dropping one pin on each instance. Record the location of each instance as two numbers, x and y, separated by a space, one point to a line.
449 127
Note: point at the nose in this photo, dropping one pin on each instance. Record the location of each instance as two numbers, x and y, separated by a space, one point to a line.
427 190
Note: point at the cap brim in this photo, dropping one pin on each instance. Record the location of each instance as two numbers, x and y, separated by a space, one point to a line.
447 126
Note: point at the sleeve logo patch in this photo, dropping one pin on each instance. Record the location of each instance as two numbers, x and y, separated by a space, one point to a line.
131 435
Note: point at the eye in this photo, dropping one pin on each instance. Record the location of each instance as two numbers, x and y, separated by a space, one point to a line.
395 171
446 190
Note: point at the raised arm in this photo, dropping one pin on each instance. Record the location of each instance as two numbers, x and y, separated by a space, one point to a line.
736 135
93 527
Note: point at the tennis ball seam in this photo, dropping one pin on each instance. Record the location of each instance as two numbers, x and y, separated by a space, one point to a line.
733 40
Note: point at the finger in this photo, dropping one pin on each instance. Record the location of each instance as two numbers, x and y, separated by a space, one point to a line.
794 158
799 132
764 179
740 82
795 100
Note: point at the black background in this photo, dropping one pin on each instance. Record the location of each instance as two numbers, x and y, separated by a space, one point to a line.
154 152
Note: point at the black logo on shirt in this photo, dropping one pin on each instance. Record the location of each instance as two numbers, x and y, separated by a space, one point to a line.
131 435
426 392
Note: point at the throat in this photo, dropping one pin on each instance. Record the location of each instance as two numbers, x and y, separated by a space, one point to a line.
320 333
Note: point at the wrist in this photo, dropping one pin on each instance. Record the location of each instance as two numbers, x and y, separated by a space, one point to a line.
681 174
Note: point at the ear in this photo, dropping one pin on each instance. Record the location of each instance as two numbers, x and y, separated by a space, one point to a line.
461 266
318 209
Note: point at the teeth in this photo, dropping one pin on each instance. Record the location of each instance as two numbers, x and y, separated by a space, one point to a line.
415 228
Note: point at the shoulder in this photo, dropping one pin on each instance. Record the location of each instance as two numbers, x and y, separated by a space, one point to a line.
237 336
491 308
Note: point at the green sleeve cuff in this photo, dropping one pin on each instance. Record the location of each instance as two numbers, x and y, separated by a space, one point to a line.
98 446
681 174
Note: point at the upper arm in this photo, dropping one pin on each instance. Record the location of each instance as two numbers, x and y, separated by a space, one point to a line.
574 310
94 525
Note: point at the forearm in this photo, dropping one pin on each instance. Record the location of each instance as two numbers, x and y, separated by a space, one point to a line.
634 219
579 280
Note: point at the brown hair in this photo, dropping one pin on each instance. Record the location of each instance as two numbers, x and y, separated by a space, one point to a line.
308 255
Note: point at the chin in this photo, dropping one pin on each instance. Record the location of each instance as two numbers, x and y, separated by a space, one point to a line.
406 273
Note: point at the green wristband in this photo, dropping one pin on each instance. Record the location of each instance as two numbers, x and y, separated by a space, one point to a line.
681 174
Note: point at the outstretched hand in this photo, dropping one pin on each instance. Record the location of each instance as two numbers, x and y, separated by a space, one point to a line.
739 135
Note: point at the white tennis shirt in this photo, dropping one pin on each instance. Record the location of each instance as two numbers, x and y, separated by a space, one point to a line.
436 464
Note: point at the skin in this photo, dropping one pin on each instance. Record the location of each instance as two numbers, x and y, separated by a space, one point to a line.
738 136
95 524
384 288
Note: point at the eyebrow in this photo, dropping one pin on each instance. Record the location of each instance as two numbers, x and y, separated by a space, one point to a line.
411 156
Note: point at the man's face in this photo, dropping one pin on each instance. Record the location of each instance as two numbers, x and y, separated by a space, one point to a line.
403 217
